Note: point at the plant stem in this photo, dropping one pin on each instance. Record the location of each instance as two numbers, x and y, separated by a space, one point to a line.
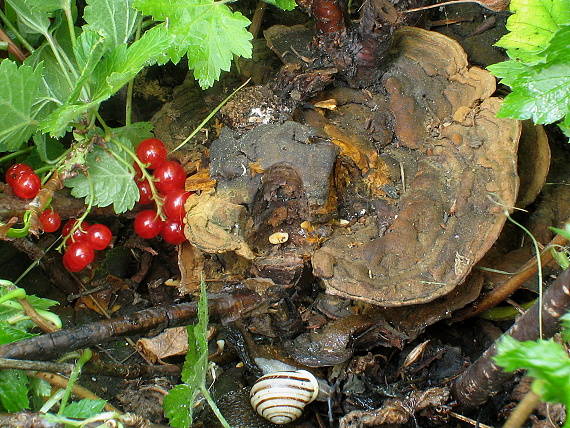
539 270
103 123
129 100
69 19
214 407
85 356
523 410
212 113
15 154
146 176
10 27
57 56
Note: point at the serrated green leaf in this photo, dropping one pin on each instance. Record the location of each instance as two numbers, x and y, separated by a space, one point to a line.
111 177
135 132
542 95
83 409
178 405
9 333
88 50
282 4
565 126
208 32
531 27
115 20
179 401
14 390
123 63
545 360
19 103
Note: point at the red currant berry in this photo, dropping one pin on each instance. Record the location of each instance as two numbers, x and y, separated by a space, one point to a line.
77 256
80 234
174 204
173 232
152 152
169 176
147 224
99 236
50 220
26 185
15 171
145 193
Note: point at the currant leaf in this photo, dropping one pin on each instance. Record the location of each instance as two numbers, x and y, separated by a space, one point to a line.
110 176
19 106
115 20
207 31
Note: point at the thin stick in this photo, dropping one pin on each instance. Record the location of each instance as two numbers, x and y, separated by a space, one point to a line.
504 290
468 420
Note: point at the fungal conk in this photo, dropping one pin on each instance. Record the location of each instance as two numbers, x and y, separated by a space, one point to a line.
280 397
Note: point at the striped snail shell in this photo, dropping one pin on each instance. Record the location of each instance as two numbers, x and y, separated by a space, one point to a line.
280 397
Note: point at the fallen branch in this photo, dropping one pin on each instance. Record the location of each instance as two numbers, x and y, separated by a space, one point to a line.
484 378
93 367
227 307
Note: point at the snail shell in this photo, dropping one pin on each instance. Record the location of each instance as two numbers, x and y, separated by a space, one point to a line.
280 397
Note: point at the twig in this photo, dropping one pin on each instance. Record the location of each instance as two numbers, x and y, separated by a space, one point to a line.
504 290
468 420
228 306
12 47
484 378
95 367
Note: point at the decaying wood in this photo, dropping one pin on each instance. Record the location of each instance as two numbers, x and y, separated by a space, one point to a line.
227 307
484 378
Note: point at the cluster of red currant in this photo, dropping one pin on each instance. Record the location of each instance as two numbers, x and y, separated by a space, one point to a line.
168 177
23 181
168 180
84 241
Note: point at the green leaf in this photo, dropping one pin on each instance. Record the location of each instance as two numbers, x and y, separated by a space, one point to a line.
207 31
47 150
178 405
540 92
542 95
544 360
283 4
62 118
84 408
123 63
55 86
34 15
110 175
14 390
179 401
9 333
88 50
531 27
115 20
18 103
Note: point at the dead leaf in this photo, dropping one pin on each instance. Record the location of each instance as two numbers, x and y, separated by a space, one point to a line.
191 264
171 342
200 181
